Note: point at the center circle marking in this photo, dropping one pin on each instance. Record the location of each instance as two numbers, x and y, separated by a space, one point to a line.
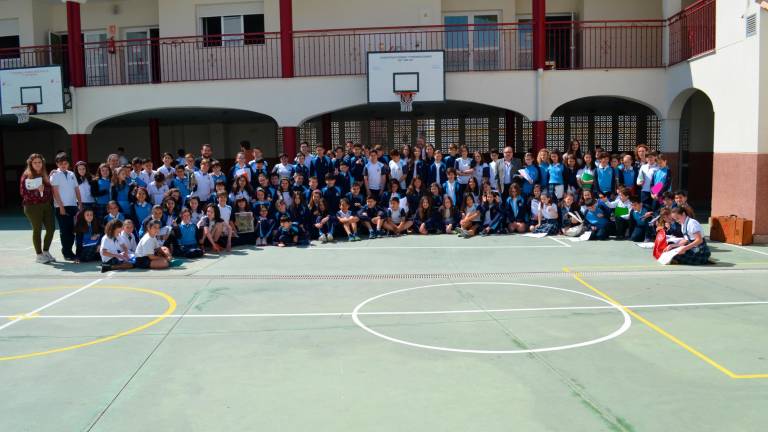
616 333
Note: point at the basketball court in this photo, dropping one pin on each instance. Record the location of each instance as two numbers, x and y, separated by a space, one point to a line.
414 333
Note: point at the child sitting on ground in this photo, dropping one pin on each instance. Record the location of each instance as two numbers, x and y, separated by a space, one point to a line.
113 257
347 220
396 221
150 254
287 233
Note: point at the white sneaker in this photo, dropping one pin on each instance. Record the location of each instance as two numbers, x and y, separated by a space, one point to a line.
330 237
42 259
323 238
50 257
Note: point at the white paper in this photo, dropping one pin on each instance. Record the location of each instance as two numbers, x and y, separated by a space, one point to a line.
645 245
524 174
535 235
586 236
666 257
33 183
673 239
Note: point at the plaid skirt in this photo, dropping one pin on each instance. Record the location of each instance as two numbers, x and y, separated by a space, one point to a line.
549 227
696 256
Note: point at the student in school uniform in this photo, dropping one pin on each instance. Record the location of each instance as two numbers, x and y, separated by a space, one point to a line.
217 175
375 175
425 220
450 159
216 232
320 165
661 176
596 219
605 176
645 179
87 236
492 214
86 183
127 237
640 230
628 174
448 215
113 257
542 161
113 213
356 198
325 221
437 171
347 220
150 253
452 188
622 208
465 168
331 193
157 189
516 210
692 249
66 197
396 169
241 168
357 163
372 217
586 174
284 168
392 191
265 226
555 173
147 174
548 221
470 221
287 233
482 169
301 167
188 237
121 190
533 174
570 216
344 179
396 219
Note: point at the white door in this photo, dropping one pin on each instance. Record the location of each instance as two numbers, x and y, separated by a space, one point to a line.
472 40
138 56
96 58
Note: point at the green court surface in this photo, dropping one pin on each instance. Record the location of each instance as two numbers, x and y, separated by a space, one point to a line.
411 334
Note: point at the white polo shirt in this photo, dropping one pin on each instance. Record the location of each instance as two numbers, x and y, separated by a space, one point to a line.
67 184
373 171
147 246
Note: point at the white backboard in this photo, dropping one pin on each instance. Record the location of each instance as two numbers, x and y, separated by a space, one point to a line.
422 71
39 85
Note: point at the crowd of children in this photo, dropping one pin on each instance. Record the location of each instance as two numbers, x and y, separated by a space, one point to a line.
190 206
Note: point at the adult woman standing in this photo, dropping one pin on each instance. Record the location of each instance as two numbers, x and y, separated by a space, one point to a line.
37 197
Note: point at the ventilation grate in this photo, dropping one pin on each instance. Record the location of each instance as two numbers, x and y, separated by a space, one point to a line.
751 25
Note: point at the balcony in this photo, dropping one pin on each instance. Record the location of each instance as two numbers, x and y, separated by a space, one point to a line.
571 45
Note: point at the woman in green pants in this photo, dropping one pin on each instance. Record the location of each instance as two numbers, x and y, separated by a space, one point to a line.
37 199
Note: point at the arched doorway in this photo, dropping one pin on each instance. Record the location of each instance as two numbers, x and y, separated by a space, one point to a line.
480 127
184 129
697 149
615 124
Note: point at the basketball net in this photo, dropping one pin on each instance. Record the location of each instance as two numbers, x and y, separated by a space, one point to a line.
406 101
21 112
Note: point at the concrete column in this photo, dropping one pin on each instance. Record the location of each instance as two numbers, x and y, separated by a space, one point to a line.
289 141
286 38
669 8
79 147
75 45
670 147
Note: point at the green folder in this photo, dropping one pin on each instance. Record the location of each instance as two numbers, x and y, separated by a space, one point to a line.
587 177
621 211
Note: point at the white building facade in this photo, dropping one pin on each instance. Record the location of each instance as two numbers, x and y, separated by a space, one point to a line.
152 76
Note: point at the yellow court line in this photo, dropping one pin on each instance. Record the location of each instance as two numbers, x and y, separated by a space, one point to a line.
168 311
665 333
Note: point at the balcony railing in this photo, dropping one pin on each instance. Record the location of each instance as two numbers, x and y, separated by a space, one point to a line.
175 59
692 31
480 47
605 44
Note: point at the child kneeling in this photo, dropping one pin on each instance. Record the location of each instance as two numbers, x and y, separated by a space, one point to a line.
188 236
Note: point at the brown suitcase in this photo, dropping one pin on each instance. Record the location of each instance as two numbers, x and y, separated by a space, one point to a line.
731 229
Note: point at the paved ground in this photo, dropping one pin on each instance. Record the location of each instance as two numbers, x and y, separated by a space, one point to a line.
411 334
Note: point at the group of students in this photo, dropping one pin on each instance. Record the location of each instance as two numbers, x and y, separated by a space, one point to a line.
190 206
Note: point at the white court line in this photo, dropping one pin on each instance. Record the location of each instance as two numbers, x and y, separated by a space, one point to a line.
16 249
558 241
443 312
430 247
748 249
46 306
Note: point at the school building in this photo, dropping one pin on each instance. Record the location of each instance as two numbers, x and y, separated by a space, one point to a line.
686 77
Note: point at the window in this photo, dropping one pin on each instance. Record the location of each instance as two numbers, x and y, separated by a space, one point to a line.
377 134
653 132
449 133
580 130
604 132
627 133
9 41
352 131
525 135
556 133
233 30
425 128
476 134
401 134
308 132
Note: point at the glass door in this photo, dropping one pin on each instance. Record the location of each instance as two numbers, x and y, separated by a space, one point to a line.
96 58
138 56
475 46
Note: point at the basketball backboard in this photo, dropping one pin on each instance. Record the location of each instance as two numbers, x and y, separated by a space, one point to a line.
420 72
38 86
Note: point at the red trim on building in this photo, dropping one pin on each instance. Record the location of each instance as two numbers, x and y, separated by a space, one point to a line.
154 141
79 147
539 10
289 141
75 45
286 38
539 135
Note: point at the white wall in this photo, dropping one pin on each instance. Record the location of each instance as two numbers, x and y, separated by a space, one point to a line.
314 14
98 15
23 11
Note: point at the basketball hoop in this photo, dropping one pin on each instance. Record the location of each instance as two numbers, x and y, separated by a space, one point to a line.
22 112
406 100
